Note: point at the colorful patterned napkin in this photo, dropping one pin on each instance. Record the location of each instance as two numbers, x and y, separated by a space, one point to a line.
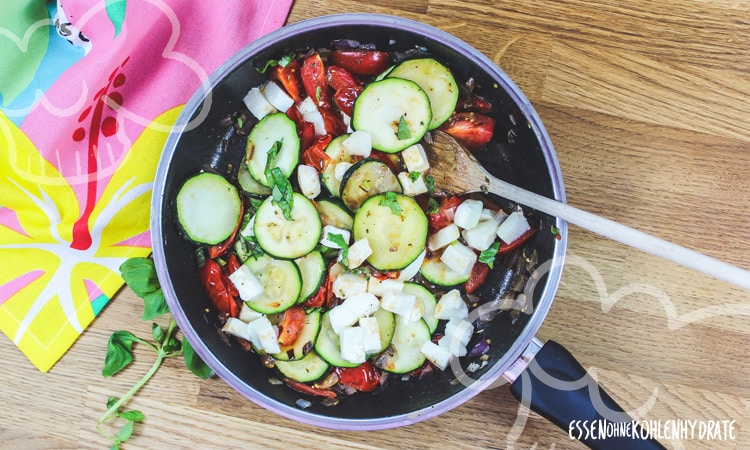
89 90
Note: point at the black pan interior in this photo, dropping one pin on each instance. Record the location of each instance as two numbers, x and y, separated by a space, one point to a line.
517 159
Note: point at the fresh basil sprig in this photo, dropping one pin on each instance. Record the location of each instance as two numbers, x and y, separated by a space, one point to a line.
281 187
390 200
403 131
140 275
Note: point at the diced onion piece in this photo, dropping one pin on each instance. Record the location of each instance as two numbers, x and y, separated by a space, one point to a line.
412 269
247 314
340 169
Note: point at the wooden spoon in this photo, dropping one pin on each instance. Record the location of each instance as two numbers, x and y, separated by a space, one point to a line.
456 171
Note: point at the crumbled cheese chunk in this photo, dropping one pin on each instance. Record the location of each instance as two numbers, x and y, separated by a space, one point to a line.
398 303
349 284
353 309
481 236
247 284
330 230
415 158
457 336
451 306
468 213
358 253
380 287
459 258
513 227
443 237
412 269
440 356
247 314
359 143
351 341
277 96
412 187
263 335
371 335
236 327
257 103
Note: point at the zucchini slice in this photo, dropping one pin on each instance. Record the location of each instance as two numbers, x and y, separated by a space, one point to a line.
386 327
310 368
247 182
281 282
438 83
312 267
208 208
436 272
288 239
396 112
365 179
271 129
427 299
335 151
332 212
395 227
304 342
405 352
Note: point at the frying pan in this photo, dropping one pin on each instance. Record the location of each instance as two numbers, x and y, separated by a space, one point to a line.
521 153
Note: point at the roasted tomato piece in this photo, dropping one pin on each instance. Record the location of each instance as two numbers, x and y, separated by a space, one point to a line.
344 99
363 378
477 277
505 247
444 215
333 122
472 129
315 155
291 324
305 389
339 78
361 62
289 78
217 286
313 75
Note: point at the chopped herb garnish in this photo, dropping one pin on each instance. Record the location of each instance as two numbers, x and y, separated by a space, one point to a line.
430 182
432 206
252 247
281 187
390 199
488 256
403 129
239 122
339 240
555 232
413 176
283 62
317 94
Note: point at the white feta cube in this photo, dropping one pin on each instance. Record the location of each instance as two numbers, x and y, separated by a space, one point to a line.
359 143
459 258
247 284
353 309
417 311
398 303
263 335
459 330
257 103
451 306
415 158
351 341
412 187
306 106
326 236
468 213
513 227
481 236
452 345
371 335
349 284
380 287
443 237
309 180
412 269
277 96
236 327
310 113
358 253
440 356
487 214
247 314
339 170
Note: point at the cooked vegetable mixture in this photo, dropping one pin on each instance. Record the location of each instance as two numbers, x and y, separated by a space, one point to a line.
329 256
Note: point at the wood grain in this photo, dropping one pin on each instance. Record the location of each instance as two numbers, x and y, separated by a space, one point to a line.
648 106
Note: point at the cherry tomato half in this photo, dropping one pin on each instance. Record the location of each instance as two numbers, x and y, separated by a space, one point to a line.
363 378
361 62
470 128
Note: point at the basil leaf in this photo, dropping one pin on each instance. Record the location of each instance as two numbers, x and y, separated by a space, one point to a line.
157 333
154 305
282 193
391 201
194 362
433 207
125 432
140 276
403 131
111 402
430 182
488 256
133 416
339 240
119 352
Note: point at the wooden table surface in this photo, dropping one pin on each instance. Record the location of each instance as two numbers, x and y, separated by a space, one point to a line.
648 106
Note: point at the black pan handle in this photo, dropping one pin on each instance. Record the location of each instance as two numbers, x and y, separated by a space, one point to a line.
556 386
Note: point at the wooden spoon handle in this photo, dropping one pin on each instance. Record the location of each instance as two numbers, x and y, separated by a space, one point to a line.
624 234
